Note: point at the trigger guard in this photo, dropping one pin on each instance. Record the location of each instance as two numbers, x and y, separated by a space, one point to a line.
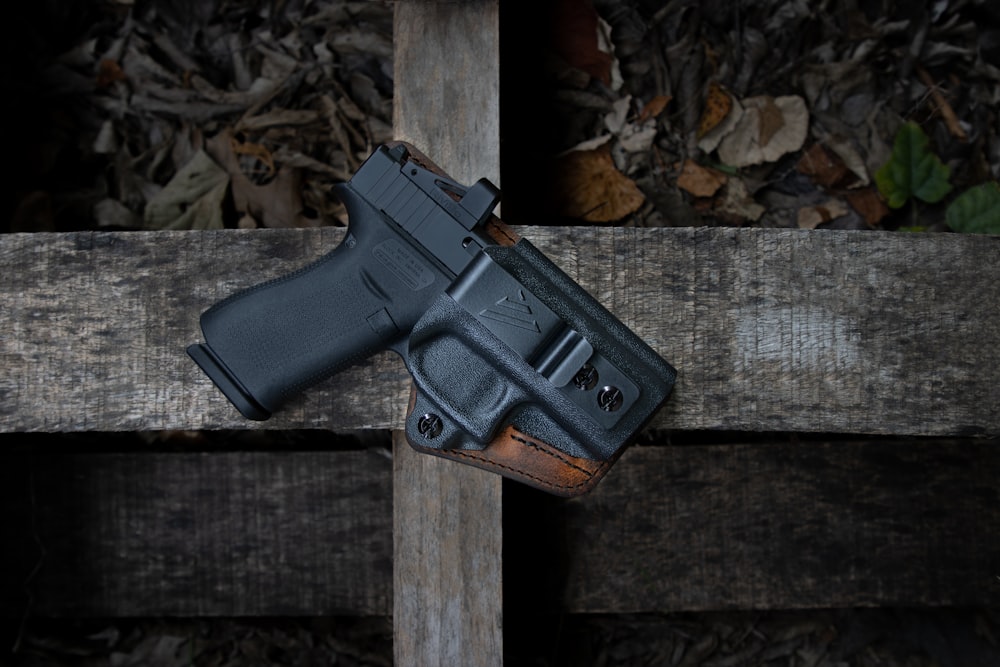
475 374
513 454
461 398
469 386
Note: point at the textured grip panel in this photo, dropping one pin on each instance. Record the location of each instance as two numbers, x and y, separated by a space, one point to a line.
282 336
267 343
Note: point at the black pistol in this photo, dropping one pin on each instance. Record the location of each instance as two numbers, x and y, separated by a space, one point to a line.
515 367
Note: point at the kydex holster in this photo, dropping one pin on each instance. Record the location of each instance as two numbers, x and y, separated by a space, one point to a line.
515 367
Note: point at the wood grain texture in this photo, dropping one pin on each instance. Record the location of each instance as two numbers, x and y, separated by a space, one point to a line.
447 529
196 534
694 527
446 99
447 519
770 330
768 526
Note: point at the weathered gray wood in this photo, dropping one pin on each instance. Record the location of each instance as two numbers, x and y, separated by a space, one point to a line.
196 534
447 531
693 527
448 603
830 331
95 328
769 526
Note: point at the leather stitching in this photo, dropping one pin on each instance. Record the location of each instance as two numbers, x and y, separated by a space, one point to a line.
541 480
535 445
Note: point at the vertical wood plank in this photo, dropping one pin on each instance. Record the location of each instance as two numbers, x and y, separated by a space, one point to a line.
447 588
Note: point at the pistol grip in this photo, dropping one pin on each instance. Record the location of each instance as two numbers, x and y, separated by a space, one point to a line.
267 343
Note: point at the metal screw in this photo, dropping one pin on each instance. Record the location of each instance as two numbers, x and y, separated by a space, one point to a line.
430 426
586 378
610 399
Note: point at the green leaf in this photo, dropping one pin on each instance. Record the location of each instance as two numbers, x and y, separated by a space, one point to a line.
913 170
976 211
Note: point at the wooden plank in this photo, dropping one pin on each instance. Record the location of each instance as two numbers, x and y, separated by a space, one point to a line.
692 527
196 534
770 330
447 518
767 526
448 593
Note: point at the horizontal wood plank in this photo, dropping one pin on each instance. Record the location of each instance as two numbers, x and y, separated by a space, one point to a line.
693 527
770 330
769 526
196 534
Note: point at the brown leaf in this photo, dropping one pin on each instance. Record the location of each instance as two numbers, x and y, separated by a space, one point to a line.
869 204
257 154
591 188
810 217
576 39
844 149
718 104
653 108
711 140
824 167
700 181
109 71
276 203
770 120
277 117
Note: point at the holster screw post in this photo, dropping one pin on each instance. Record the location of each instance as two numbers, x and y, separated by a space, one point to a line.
430 426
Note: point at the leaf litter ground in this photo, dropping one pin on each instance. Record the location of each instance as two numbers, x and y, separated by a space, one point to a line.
158 115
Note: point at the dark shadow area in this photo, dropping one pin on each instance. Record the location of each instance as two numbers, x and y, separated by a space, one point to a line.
844 637
221 642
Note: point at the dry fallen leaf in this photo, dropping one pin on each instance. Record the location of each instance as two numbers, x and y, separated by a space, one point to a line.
700 181
276 203
633 137
288 117
852 159
577 39
869 204
192 199
591 144
616 119
653 108
770 120
825 168
824 163
255 155
713 137
810 217
637 138
590 187
769 128
109 71
735 202
718 104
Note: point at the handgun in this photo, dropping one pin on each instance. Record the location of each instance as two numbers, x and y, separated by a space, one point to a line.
515 368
